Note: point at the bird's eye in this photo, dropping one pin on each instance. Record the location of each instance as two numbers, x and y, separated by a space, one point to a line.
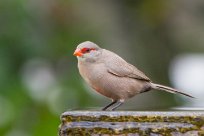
86 50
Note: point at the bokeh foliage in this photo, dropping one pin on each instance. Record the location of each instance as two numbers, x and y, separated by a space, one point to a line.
38 74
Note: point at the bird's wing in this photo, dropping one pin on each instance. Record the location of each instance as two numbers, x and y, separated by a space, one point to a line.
119 67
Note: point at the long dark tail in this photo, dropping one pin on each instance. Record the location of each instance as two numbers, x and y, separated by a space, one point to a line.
168 89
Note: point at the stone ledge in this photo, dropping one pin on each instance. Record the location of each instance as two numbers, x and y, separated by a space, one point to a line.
131 123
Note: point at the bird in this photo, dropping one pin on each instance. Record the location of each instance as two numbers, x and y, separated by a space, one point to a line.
111 76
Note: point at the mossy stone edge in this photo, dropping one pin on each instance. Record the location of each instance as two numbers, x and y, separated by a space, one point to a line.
131 123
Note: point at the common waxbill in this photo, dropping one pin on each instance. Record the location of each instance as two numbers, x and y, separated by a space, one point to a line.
112 76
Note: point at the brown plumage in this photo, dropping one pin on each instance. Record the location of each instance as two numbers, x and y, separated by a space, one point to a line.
112 76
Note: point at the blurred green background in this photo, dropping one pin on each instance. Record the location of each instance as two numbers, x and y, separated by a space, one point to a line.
39 78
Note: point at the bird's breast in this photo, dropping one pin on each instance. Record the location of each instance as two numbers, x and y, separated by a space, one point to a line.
92 73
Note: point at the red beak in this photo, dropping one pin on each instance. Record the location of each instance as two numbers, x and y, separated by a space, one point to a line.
78 53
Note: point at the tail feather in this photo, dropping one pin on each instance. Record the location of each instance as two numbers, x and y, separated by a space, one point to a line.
169 89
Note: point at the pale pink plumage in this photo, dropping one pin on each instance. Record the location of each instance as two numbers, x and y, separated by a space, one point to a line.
112 76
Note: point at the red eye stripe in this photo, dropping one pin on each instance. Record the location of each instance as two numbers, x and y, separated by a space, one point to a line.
85 50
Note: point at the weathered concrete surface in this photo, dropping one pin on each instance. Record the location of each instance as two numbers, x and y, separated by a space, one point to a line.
132 123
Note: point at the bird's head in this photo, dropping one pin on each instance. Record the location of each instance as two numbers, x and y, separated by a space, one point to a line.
87 51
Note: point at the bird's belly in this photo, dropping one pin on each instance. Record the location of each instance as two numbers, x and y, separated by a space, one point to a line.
117 87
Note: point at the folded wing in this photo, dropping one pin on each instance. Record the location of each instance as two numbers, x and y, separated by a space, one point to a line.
119 67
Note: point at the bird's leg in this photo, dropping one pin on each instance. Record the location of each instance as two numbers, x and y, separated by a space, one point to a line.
106 107
117 105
